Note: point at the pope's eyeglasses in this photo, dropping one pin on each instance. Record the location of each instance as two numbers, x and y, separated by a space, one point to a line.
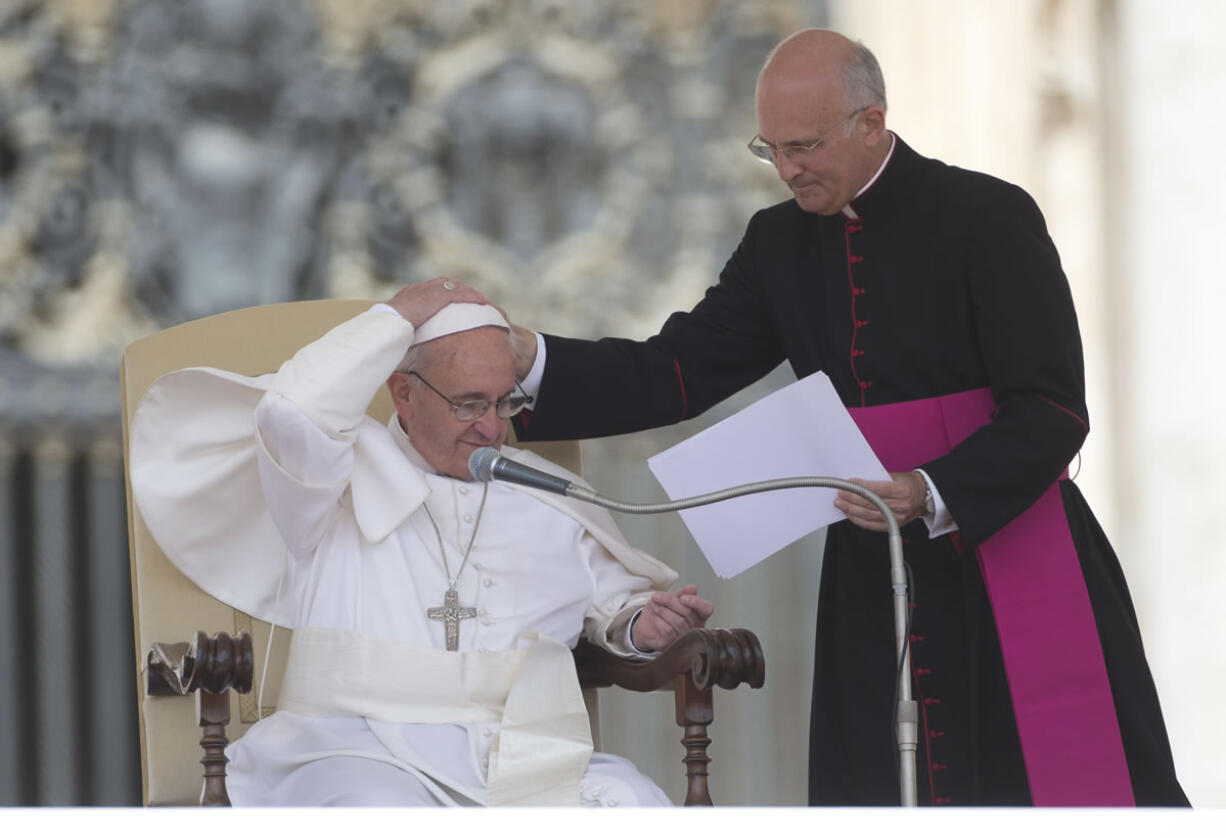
504 408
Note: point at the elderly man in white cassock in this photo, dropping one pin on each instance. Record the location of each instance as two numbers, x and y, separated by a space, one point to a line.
433 616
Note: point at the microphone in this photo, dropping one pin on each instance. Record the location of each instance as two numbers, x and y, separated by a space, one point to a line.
486 464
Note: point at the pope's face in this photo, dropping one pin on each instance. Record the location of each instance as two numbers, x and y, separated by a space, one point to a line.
465 366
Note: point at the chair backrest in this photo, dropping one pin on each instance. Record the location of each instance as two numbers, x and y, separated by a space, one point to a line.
166 606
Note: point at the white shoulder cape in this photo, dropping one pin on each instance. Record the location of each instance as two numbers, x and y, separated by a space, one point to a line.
192 446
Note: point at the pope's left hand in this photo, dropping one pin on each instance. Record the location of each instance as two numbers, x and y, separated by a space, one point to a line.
667 616
904 494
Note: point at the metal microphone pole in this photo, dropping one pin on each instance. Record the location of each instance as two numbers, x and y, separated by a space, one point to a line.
907 719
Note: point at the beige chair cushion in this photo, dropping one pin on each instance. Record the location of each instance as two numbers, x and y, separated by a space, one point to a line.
169 608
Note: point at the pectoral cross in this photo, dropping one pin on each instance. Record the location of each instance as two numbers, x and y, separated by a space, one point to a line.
451 612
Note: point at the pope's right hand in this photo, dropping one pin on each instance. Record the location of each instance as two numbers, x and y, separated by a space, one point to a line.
419 302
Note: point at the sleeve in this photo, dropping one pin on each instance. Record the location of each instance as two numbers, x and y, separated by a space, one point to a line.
1027 336
306 424
303 472
333 379
940 522
531 385
614 385
618 596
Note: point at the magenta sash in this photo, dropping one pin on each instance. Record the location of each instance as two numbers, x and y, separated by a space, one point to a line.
1048 638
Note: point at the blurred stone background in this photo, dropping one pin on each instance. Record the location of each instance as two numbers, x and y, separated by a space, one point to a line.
583 163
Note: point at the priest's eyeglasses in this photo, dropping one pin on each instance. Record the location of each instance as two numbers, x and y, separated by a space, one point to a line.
770 153
504 408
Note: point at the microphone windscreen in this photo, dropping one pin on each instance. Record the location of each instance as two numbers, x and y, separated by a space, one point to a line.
481 464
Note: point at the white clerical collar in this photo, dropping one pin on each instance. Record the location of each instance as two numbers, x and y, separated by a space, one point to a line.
847 210
406 445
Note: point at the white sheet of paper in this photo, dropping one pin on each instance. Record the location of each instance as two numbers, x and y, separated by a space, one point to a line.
801 430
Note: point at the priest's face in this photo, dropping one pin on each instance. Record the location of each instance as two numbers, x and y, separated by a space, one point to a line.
465 366
825 150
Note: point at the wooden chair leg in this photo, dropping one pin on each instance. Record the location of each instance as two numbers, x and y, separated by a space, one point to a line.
695 710
214 716
210 668
699 661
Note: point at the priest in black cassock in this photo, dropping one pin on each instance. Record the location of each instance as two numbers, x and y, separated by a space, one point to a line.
934 299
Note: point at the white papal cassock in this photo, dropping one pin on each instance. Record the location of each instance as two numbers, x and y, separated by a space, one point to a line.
277 495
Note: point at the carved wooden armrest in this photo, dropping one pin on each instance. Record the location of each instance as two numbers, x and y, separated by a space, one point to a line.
209 667
700 660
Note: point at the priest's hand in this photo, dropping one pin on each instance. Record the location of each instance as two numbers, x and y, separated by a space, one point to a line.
419 302
904 494
523 346
523 349
667 616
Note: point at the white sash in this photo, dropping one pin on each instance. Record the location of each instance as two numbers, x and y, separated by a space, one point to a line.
545 740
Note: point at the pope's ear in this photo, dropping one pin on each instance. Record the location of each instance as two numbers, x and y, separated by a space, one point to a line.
398 386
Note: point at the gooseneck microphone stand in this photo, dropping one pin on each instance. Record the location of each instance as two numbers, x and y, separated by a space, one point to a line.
487 464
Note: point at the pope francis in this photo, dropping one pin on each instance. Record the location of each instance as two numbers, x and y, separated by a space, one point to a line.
432 615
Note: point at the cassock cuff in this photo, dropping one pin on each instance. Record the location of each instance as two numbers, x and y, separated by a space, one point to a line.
531 385
940 522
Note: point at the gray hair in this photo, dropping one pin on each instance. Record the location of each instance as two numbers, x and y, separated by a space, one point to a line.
414 358
863 83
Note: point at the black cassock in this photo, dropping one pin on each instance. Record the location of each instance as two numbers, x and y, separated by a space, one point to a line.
946 281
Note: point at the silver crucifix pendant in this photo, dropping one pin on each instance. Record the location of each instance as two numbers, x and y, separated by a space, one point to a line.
451 612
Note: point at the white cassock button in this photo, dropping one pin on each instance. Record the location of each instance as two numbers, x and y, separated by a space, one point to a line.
487 582
468 519
487 732
463 490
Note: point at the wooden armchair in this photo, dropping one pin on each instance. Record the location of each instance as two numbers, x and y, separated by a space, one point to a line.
188 643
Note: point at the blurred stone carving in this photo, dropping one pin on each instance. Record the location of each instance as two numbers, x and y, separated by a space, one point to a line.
162 160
